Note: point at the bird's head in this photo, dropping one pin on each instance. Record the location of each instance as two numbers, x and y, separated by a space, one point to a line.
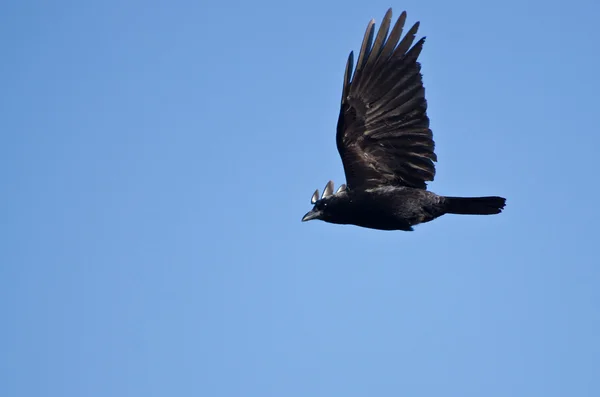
323 206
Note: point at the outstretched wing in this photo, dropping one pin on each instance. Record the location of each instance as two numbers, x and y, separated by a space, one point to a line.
383 134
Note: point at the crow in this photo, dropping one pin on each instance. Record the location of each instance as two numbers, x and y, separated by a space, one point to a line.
385 143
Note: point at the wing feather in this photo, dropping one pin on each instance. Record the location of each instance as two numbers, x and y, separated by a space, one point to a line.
347 76
392 40
383 134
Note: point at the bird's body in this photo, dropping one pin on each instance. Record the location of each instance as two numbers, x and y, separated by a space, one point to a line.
384 208
398 207
385 143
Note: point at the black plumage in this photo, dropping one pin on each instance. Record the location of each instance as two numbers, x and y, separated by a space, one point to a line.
385 143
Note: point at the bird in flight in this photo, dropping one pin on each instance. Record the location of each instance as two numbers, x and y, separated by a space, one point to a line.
385 143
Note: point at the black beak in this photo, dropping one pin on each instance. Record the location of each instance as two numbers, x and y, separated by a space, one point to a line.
310 215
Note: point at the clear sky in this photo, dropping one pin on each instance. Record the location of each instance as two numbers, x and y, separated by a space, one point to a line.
156 159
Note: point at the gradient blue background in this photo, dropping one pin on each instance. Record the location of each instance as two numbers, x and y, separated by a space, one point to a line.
156 159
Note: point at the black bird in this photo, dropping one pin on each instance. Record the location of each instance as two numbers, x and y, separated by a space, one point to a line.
385 143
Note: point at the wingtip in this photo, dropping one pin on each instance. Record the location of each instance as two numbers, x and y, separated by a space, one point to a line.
328 191
315 197
388 15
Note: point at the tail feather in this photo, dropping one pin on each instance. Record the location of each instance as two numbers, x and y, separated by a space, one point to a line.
475 205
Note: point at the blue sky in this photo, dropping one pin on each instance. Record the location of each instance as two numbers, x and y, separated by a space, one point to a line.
156 159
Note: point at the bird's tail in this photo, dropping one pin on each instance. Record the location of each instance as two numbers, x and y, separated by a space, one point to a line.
474 205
